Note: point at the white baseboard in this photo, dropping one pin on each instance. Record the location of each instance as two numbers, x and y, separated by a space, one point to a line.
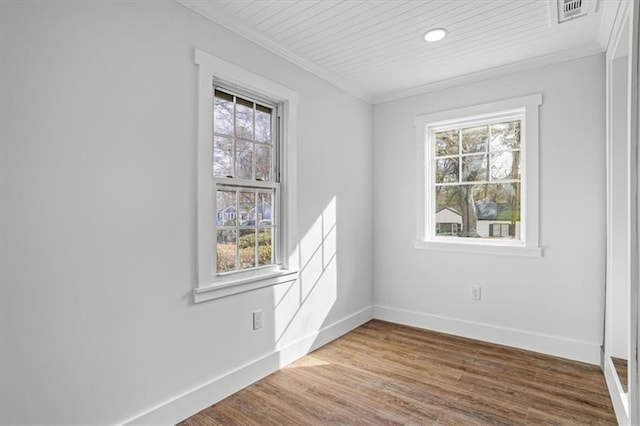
552 345
195 400
189 403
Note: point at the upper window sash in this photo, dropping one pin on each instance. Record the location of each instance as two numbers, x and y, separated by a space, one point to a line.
228 128
488 150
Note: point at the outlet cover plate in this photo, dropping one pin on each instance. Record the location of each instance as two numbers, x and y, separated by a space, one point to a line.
257 320
476 293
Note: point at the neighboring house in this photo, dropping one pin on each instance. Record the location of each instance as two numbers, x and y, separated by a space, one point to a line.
449 222
489 224
263 213
498 229
228 213
248 218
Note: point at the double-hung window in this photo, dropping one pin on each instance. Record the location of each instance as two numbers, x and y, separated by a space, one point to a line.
246 180
478 174
478 178
246 176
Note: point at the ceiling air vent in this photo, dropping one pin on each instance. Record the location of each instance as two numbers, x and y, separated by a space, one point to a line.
570 9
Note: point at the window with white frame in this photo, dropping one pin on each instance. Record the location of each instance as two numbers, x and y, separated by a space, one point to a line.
245 146
478 171
246 180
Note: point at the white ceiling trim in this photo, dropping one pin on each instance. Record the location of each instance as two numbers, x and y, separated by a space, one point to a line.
249 33
567 55
608 10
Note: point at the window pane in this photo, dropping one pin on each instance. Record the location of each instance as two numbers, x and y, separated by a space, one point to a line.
447 170
226 214
264 209
475 208
247 248
474 139
244 159
263 124
222 156
447 143
507 197
505 136
247 208
505 165
223 113
447 196
244 119
263 162
226 251
265 253
474 168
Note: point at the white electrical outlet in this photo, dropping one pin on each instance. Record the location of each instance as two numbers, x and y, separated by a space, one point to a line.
476 292
257 320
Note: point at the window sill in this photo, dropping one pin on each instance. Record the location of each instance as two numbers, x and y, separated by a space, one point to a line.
235 285
479 247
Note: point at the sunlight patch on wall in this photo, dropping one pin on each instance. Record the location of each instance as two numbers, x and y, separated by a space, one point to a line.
301 307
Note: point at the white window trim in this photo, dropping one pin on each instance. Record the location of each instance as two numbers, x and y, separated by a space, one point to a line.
209 285
529 245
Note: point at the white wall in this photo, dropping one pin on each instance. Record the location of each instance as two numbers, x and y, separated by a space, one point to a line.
98 213
553 304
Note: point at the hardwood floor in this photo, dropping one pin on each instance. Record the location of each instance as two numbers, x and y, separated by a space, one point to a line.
621 368
383 373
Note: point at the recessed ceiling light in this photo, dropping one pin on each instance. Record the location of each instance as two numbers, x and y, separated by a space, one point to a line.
435 34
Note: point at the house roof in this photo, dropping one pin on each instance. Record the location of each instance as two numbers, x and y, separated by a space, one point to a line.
450 209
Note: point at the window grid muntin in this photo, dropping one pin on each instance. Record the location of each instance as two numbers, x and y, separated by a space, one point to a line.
487 152
471 122
234 183
238 227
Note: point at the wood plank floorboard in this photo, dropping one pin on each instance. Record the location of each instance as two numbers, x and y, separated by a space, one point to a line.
621 369
390 374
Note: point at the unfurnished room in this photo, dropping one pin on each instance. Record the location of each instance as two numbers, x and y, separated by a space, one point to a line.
319 212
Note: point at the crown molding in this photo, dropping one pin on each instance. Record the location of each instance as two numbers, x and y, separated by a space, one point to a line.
542 61
608 9
232 24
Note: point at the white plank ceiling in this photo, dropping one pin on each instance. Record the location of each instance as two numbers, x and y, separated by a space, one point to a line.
375 50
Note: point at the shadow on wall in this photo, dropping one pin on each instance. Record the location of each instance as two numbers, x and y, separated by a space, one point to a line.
301 307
